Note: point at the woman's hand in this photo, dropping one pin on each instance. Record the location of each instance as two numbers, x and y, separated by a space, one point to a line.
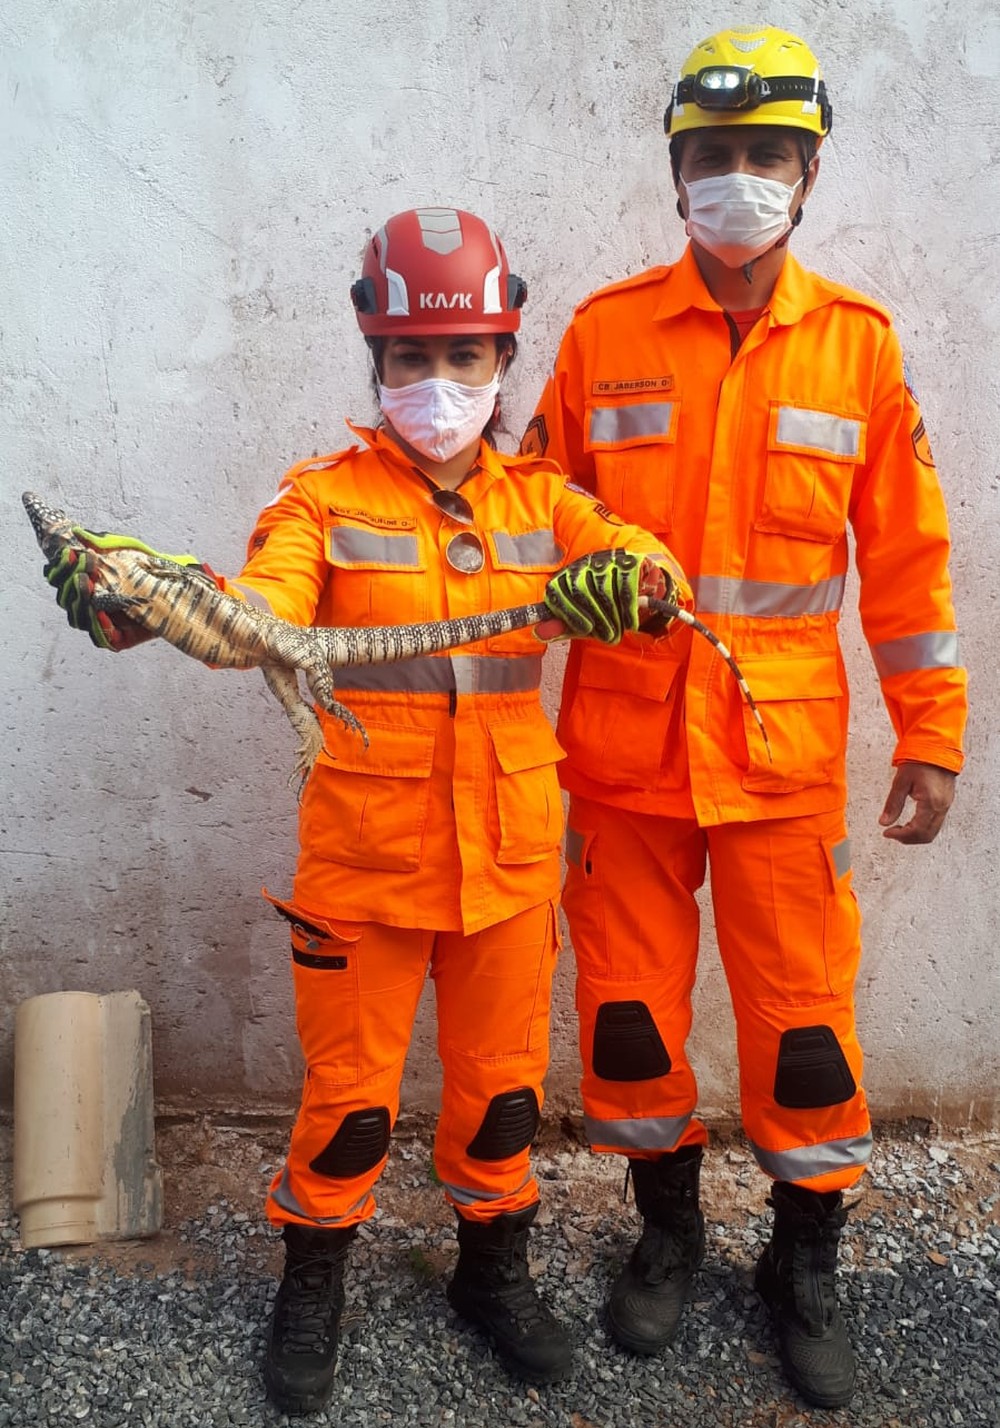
599 594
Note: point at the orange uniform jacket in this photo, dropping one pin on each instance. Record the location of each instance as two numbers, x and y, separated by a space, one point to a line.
751 464
452 818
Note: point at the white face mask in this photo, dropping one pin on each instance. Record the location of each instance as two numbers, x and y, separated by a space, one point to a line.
737 217
436 417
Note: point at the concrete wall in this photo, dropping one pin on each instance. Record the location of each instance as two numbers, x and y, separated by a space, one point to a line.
186 192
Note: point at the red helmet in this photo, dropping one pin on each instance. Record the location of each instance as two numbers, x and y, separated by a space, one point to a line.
436 271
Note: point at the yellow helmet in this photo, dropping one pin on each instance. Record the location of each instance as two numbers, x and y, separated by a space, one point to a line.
757 76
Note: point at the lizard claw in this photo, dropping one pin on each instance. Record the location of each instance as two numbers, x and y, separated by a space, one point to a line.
349 720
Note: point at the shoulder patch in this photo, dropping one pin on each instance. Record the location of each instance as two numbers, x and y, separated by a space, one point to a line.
598 506
612 517
908 379
921 444
535 440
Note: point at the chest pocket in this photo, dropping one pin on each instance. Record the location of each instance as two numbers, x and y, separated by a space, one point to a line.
537 552
522 563
634 449
379 571
812 456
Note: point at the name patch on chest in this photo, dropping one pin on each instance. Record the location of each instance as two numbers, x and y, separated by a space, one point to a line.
373 518
633 384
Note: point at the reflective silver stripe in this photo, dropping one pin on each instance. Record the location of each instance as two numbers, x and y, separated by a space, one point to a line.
462 1195
533 549
723 595
351 546
841 436
841 853
427 674
252 596
574 847
647 1133
807 1161
936 650
283 1196
483 674
610 424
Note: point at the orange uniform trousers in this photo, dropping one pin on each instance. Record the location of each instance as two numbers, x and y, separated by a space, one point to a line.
788 932
357 987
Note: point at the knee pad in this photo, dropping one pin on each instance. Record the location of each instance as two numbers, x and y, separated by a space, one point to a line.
812 1070
359 1144
627 1045
508 1127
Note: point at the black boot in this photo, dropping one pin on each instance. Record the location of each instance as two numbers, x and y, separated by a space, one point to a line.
302 1340
649 1294
492 1288
795 1279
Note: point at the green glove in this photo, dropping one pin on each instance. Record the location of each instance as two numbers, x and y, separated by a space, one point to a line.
75 575
598 595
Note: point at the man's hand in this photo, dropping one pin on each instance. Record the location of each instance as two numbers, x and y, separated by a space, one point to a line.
932 790
598 595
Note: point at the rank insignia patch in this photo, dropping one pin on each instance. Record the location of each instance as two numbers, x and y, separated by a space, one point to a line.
536 437
921 445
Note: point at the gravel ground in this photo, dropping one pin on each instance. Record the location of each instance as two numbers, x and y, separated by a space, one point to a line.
169 1331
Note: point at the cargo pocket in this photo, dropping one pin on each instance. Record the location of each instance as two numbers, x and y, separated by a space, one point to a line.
579 846
802 701
529 809
634 449
326 1001
615 727
367 808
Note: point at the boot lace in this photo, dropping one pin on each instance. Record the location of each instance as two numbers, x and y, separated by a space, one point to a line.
662 1251
307 1311
516 1292
812 1270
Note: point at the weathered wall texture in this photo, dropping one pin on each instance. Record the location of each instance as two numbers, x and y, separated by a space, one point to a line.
186 192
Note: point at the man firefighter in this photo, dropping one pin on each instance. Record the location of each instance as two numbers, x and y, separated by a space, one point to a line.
746 411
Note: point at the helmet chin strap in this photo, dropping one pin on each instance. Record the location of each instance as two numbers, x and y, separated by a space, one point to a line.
748 268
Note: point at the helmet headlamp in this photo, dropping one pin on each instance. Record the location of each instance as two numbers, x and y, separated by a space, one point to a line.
750 76
722 87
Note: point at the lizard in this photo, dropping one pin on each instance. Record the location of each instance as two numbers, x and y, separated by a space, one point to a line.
183 605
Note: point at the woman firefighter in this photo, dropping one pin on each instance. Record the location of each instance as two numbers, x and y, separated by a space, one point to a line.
436 849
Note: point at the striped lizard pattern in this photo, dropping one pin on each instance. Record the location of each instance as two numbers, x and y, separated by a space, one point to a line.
183 605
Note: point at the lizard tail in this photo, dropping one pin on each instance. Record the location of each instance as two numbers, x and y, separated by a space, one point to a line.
664 607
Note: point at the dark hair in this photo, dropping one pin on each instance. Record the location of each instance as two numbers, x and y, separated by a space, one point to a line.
506 346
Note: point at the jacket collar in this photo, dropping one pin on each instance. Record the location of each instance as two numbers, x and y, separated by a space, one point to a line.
377 439
796 292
